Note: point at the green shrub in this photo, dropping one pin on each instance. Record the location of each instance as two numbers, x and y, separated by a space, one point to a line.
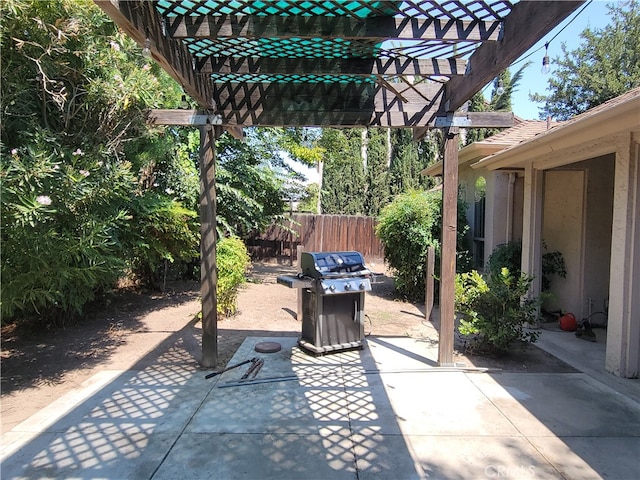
72 225
406 228
509 255
61 213
495 310
166 232
232 264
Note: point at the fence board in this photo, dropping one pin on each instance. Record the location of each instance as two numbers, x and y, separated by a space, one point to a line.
319 233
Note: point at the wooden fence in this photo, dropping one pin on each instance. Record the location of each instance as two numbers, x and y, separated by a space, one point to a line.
318 233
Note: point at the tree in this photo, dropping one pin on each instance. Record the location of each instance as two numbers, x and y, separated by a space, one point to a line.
309 200
343 183
503 87
89 191
250 177
604 66
74 182
409 158
377 193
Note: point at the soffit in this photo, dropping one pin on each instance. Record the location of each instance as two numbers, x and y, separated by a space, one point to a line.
524 130
582 133
334 62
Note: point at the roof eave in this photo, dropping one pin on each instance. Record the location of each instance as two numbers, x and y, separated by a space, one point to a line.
619 117
467 154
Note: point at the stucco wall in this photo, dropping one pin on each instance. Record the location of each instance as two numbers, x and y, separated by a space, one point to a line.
518 206
586 248
498 212
599 215
563 231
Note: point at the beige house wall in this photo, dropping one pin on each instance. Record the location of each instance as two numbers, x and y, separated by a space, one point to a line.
597 247
562 231
503 209
603 144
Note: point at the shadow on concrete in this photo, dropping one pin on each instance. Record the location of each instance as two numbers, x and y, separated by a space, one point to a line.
581 426
162 419
346 415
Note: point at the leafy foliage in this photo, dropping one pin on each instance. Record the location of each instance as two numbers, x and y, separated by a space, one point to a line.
377 192
343 180
552 264
604 66
166 232
61 215
68 70
409 158
78 162
232 262
364 169
407 227
250 187
509 255
496 309
309 201
90 192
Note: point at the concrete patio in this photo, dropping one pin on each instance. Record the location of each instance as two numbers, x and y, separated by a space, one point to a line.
384 412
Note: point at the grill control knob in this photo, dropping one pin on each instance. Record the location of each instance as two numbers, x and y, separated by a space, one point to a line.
332 288
347 286
361 285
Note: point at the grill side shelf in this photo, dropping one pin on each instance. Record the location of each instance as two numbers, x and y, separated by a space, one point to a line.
293 281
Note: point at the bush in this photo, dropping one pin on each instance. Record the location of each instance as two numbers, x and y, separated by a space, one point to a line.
166 232
509 255
73 224
232 264
496 310
407 227
60 215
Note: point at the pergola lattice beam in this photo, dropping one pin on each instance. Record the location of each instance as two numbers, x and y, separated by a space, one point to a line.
330 104
348 28
527 22
454 9
326 66
337 118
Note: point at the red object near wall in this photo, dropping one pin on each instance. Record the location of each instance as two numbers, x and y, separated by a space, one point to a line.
568 322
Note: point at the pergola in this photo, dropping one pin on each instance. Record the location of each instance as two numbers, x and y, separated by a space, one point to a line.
340 63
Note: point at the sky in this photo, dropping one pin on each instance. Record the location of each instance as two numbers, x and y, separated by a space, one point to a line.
595 16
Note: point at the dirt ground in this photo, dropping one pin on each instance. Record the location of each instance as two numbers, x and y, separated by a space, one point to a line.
135 330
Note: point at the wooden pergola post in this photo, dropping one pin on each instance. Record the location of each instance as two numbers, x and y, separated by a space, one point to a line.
448 249
208 275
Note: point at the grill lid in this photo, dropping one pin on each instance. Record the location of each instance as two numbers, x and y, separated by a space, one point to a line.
332 264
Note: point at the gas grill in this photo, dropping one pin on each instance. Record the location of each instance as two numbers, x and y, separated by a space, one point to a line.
333 290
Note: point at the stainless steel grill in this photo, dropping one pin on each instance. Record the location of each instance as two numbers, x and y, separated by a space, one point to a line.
333 291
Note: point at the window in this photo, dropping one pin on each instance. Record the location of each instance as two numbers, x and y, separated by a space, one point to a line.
478 223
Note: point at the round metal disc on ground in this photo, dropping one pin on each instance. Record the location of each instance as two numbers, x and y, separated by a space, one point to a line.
267 347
